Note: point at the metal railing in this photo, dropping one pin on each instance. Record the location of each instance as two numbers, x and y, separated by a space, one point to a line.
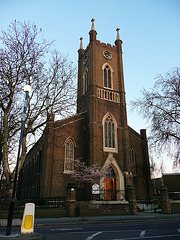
108 195
56 202
52 202
150 206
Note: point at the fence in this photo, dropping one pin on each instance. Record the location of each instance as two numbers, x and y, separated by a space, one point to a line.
150 206
52 202
56 202
174 195
108 195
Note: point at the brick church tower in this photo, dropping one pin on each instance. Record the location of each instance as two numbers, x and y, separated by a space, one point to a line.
98 133
101 93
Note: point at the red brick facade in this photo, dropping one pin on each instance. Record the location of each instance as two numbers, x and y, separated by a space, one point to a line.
98 133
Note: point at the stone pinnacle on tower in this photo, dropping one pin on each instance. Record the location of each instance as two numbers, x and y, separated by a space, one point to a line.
81 43
118 36
93 32
92 27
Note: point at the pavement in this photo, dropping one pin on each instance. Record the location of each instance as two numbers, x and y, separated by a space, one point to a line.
140 217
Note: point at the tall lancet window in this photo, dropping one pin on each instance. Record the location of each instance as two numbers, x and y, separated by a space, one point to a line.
109 133
69 155
85 81
133 160
107 77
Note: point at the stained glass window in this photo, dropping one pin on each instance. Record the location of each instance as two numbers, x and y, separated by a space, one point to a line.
109 132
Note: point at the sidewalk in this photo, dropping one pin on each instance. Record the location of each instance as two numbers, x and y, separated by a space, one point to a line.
140 217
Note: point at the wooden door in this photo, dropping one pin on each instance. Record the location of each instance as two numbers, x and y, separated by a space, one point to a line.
111 186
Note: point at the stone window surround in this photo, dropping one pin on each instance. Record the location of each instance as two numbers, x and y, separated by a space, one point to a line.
69 139
107 149
111 69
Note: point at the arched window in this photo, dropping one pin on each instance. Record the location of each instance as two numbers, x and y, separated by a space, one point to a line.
110 133
132 160
107 76
69 156
95 189
85 81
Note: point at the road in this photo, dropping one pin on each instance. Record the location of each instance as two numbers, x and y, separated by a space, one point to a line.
119 231
150 230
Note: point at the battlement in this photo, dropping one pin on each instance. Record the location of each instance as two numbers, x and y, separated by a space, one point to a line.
106 44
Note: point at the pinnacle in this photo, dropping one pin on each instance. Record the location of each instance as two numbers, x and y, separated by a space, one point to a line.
92 27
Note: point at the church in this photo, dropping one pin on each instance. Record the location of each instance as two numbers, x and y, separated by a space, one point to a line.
97 134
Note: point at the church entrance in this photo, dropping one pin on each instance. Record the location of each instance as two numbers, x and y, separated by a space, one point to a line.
111 185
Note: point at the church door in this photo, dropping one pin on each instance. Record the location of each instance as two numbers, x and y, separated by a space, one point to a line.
111 185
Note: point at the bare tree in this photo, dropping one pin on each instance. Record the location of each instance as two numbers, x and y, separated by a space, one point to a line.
26 58
161 107
156 169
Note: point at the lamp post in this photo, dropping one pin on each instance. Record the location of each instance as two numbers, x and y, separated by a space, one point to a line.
27 89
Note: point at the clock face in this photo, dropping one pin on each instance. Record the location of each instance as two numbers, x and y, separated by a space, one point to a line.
107 55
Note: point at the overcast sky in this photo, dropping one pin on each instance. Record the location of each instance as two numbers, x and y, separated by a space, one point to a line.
149 29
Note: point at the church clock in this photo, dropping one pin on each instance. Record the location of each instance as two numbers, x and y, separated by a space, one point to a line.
107 54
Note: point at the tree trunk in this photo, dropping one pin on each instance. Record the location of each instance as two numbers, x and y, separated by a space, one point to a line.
5 149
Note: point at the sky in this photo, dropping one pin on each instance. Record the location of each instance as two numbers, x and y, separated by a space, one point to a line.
149 29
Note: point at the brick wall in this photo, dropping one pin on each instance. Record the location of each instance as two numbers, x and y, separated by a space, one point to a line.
100 208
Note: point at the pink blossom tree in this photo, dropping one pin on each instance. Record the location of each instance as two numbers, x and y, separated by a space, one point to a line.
92 174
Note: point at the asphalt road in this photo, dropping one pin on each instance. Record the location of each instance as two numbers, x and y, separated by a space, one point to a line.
149 230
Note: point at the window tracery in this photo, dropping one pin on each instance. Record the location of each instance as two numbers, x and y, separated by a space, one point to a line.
107 76
110 133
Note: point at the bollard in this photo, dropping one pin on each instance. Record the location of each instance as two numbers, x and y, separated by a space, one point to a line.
27 225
